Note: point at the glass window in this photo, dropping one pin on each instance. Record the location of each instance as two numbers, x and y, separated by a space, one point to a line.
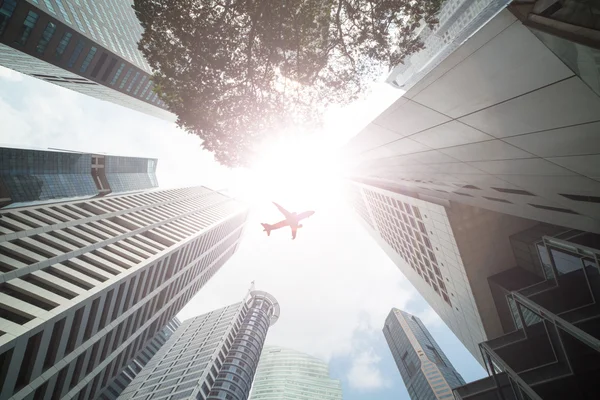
76 52
61 7
124 81
46 37
137 89
62 45
437 358
150 93
77 20
117 74
133 81
88 59
49 6
409 365
27 27
6 11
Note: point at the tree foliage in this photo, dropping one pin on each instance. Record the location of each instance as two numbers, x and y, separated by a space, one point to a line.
235 71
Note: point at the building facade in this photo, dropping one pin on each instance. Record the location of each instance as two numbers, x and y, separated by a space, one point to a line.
89 46
114 389
458 20
212 356
425 369
33 177
548 306
289 374
86 284
487 128
446 250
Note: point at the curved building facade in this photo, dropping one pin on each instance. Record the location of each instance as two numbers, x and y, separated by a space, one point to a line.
235 378
289 374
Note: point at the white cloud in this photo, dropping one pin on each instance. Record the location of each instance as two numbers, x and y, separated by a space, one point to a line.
365 373
10 75
41 115
429 317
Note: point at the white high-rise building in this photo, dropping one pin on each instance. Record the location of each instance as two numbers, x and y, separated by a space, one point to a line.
89 46
212 356
507 122
458 20
85 285
447 251
114 389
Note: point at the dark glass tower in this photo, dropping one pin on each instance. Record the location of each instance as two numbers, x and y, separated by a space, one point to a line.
33 177
89 46
425 369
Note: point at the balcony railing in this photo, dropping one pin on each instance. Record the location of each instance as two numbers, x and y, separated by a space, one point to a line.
527 314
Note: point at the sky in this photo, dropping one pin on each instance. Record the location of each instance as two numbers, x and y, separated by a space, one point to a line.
334 284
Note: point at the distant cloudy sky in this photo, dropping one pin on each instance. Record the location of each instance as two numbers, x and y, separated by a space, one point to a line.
334 284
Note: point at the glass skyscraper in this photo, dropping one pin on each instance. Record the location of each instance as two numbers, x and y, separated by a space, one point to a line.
89 46
34 177
425 370
212 356
289 374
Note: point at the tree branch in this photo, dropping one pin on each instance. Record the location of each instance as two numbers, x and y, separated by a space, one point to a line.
339 28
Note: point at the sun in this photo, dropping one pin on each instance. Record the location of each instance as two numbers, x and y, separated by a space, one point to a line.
300 172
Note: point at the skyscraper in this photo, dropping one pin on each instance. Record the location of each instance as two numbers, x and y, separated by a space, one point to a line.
32 177
447 251
89 46
86 284
212 356
289 374
458 20
118 384
425 369
485 128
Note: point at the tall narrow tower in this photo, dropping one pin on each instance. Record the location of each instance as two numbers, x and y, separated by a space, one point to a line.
118 384
425 370
212 356
86 284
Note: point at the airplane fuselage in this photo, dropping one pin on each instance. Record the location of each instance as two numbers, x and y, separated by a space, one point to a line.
292 220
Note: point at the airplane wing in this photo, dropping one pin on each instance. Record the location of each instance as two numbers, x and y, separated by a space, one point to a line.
280 224
288 215
294 231
303 215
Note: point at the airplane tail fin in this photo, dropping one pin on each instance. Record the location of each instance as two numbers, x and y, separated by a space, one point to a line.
267 229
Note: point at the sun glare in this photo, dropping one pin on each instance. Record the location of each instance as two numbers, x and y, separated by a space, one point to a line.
300 172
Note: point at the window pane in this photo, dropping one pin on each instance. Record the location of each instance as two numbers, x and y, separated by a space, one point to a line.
27 27
46 37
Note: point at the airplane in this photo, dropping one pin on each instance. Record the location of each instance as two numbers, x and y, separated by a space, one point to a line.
291 220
